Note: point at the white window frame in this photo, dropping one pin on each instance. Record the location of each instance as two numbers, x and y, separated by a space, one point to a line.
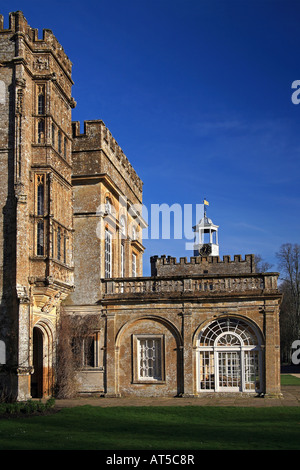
107 206
108 254
250 357
122 254
122 226
134 261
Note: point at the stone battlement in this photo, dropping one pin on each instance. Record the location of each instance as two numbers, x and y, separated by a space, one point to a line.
97 137
169 266
19 25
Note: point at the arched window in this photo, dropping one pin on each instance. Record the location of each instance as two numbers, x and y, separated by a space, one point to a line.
229 356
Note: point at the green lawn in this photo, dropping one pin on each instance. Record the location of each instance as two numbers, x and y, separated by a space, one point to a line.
287 379
155 428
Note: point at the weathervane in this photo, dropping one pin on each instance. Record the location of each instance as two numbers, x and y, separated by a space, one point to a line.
205 203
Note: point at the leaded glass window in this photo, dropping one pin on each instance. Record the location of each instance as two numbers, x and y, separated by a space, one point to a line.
150 357
108 254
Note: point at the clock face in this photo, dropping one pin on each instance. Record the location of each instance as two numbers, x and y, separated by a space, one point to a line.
205 250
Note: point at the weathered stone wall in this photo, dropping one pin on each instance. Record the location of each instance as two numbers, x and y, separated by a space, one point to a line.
102 173
36 282
169 266
177 309
97 152
180 315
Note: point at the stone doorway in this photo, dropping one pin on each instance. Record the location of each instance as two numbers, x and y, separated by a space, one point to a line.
42 360
37 376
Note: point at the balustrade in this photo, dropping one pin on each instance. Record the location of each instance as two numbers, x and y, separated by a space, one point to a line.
192 284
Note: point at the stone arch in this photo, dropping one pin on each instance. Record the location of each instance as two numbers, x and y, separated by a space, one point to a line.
129 344
157 318
42 359
244 318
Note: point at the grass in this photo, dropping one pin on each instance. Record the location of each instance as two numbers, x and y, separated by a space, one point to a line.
287 379
155 428
160 428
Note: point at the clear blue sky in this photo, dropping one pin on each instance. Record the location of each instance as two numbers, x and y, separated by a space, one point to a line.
198 95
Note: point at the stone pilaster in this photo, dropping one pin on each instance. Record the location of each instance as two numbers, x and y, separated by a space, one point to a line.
272 352
187 355
111 357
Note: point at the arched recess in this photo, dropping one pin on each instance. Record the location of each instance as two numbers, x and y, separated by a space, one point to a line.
149 357
229 355
42 359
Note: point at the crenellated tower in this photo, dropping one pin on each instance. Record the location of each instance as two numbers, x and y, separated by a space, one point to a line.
36 199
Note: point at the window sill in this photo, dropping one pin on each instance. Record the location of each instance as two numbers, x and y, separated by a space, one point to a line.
149 382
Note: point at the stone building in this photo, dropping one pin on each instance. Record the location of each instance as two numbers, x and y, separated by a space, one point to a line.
71 239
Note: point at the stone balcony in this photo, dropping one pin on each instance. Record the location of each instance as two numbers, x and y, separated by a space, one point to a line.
194 286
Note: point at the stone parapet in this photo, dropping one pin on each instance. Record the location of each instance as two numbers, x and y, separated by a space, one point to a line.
202 285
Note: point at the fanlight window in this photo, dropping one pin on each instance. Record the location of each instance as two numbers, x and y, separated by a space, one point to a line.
228 332
230 357
228 340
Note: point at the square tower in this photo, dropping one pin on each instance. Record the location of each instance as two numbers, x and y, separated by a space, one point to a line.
36 234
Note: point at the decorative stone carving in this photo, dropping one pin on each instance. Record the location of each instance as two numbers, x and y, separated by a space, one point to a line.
41 64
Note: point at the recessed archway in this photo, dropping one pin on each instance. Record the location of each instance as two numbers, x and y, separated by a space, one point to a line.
37 360
229 357
42 360
149 351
